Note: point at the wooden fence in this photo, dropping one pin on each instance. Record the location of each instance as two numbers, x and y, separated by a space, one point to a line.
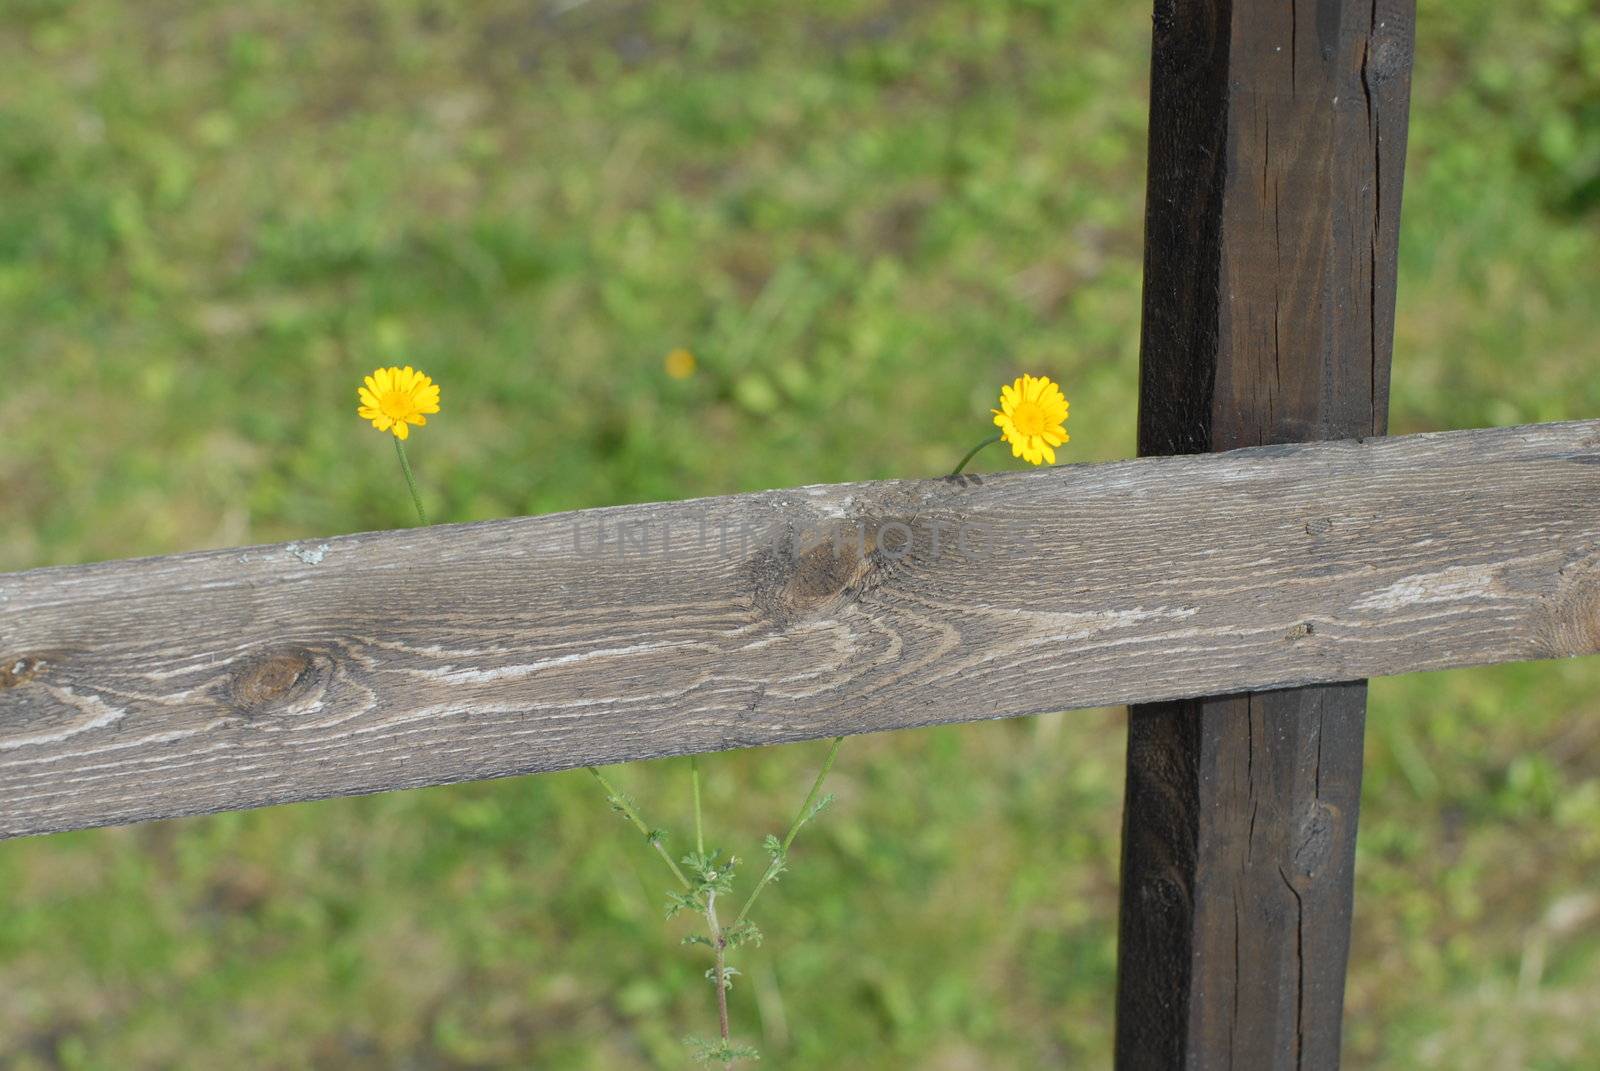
1272 577
228 679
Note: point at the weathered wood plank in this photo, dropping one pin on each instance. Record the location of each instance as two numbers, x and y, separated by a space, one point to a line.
230 679
1277 147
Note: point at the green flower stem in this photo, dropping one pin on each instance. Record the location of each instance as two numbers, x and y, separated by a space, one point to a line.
719 944
794 827
411 481
990 441
620 802
699 826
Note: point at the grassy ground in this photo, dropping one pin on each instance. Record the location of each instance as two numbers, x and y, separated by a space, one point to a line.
215 217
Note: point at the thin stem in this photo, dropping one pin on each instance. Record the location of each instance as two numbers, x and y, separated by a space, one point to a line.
411 480
794 828
990 441
699 826
720 944
816 786
619 801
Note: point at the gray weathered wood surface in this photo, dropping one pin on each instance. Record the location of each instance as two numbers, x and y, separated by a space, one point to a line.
230 679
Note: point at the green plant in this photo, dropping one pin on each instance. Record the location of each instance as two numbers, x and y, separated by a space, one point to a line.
1032 418
710 877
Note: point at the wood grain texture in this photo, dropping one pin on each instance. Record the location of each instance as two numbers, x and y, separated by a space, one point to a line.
1277 147
230 679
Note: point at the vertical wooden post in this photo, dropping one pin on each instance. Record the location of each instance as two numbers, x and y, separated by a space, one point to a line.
1277 143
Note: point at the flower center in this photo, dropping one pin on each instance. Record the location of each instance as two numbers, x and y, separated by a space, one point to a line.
397 405
1029 418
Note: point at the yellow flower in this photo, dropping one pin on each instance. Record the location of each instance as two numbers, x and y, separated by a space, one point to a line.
680 363
396 398
1031 418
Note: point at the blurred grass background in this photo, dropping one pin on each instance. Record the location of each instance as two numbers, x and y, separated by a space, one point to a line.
860 216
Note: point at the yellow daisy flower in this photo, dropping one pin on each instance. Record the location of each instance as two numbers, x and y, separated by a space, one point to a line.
1032 418
396 398
680 363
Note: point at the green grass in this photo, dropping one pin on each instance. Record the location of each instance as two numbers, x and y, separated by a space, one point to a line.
860 218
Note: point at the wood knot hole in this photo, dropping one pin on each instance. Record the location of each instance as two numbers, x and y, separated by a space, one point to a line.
270 679
15 671
809 573
1317 830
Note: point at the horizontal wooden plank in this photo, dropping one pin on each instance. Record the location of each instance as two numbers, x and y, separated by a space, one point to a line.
229 679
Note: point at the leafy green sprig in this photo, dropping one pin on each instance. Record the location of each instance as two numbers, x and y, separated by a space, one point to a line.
705 877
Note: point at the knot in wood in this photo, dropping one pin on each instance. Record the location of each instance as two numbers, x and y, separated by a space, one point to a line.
1314 838
1573 609
810 573
15 671
272 679
1166 896
1388 53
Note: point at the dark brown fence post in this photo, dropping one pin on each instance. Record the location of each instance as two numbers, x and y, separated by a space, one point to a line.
1277 143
